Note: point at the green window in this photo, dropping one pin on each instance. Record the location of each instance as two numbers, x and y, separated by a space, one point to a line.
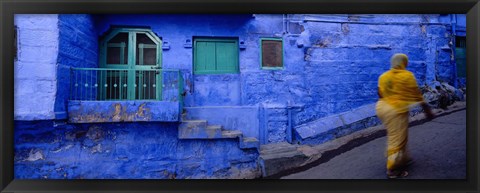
130 59
215 56
460 56
271 53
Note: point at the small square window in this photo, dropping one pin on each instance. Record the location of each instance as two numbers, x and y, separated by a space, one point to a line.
271 53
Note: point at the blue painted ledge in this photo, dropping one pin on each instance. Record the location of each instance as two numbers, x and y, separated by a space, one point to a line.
328 128
122 111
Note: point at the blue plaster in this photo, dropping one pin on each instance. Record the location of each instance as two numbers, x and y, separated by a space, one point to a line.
78 47
331 67
344 122
123 151
319 127
337 61
35 67
242 118
122 111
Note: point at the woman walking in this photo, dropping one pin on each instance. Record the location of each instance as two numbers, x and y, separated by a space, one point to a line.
398 90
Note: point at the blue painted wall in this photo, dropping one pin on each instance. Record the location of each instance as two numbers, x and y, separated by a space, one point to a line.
216 90
243 118
122 111
35 67
332 62
328 58
48 45
78 47
46 150
331 66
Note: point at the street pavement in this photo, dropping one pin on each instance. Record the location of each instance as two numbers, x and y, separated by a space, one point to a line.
438 148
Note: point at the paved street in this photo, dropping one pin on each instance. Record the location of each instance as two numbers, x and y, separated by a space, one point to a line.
438 148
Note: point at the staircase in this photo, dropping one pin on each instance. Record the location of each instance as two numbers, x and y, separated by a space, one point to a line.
199 129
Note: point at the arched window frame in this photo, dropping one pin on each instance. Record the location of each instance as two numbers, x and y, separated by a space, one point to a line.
131 57
131 49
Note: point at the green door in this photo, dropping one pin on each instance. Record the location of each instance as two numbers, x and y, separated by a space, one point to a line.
147 65
134 57
461 61
460 56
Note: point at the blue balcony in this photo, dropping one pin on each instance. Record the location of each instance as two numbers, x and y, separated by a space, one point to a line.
125 95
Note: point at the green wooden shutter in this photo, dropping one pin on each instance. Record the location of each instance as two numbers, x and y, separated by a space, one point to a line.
226 55
215 56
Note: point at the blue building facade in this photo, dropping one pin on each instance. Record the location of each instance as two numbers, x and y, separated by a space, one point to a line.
195 96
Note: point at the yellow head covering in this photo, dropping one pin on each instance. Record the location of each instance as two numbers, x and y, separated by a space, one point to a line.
399 61
398 86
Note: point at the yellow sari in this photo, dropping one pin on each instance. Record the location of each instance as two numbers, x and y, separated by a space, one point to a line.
398 90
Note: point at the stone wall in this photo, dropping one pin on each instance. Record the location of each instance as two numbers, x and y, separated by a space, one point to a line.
123 111
275 123
331 67
344 57
48 150
176 30
78 47
242 118
35 66
331 62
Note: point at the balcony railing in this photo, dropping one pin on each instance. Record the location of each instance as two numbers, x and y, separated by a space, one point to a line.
100 84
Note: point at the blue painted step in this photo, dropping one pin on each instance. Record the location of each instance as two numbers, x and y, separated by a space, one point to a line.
249 142
199 129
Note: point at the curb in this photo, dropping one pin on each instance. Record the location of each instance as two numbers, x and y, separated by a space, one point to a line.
331 149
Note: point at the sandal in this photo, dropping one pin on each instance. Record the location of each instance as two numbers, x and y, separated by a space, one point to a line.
397 174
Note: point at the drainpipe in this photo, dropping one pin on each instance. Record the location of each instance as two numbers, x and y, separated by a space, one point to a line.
288 23
289 127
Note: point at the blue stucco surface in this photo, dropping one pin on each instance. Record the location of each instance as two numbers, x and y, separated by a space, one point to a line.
49 150
326 89
333 71
35 67
122 111
242 118
78 47
338 125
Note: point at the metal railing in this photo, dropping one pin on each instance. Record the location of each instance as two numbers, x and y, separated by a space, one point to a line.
101 84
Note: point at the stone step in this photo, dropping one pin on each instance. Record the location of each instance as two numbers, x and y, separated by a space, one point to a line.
193 129
199 129
273 161
231 134
249 142
269 146
193 121
215 127
280 149
214 131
